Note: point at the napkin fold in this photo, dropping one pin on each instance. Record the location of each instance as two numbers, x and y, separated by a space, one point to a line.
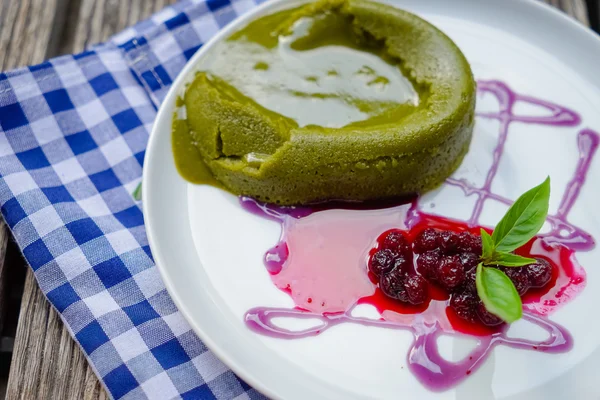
73 132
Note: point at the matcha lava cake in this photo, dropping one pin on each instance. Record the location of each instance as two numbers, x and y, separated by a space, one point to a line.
334 100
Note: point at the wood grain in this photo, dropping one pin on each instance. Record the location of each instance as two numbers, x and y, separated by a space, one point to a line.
25 38
4 235
26 30
575 8
97 20
47 363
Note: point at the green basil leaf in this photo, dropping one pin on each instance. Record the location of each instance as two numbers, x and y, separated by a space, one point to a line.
523 219
498 294
510 260
487 245
137 193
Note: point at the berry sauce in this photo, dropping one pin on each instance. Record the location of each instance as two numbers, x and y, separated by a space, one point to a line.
333 258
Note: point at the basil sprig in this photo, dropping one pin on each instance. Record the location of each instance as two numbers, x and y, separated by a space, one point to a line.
498 293
521 223
523 219
137 193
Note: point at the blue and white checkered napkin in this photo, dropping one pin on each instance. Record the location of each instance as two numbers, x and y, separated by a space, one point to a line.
73 131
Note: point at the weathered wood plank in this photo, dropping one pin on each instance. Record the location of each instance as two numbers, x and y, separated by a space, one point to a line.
97 20
47 363
26 30
29 344
575 8
4 235
25 38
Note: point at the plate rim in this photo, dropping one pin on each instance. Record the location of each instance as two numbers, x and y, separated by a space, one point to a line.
164 113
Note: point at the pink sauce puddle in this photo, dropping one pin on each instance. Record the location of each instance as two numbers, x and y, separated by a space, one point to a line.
321 262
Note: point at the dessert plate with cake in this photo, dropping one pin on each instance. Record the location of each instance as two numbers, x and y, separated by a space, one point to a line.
358 199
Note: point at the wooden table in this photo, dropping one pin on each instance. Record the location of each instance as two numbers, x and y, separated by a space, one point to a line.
46 362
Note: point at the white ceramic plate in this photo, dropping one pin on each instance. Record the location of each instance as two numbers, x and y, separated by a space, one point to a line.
192 229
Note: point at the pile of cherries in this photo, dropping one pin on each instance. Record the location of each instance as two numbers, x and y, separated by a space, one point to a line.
446 260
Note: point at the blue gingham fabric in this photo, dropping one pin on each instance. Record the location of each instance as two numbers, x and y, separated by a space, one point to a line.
73 132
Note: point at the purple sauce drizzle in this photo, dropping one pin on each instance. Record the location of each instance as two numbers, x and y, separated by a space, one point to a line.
587 141
424 350
335 307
